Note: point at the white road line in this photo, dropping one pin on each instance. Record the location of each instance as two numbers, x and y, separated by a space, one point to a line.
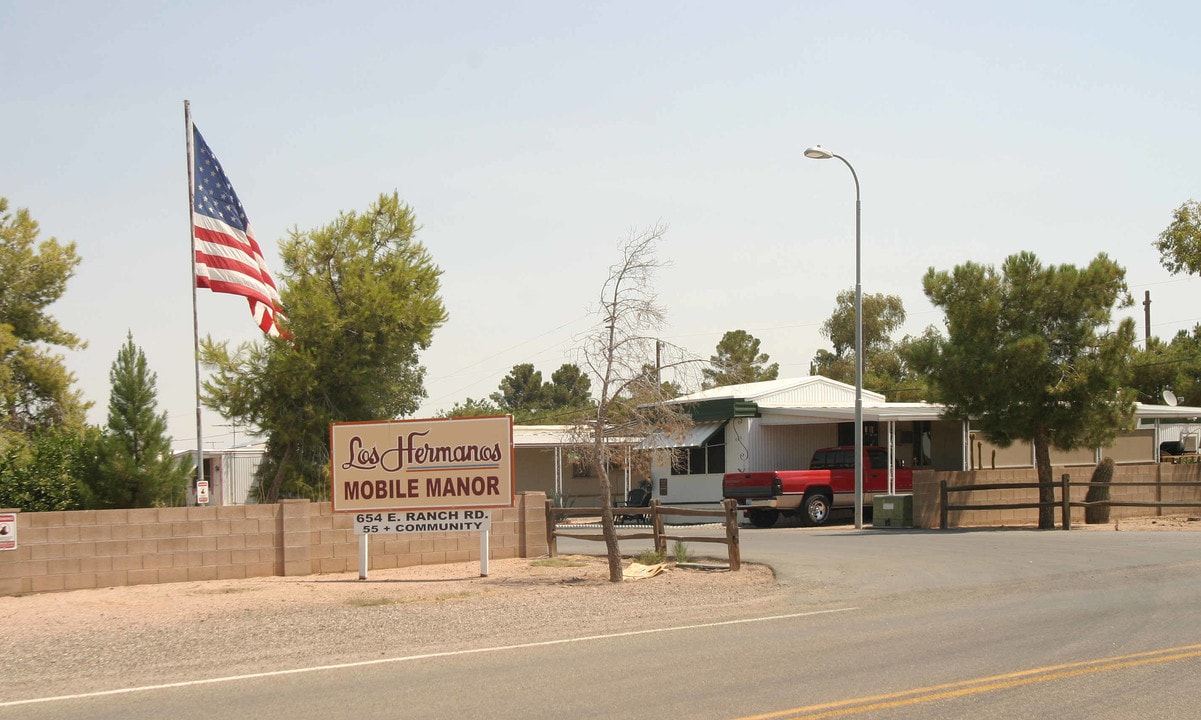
410 658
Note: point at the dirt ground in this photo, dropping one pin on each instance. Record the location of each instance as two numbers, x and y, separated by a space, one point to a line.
1185 523
520 582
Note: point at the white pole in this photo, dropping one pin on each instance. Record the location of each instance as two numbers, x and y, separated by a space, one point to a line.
363 556
187 115
892 457
484 551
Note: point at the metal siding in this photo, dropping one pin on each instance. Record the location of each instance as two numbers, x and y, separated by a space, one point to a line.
535 470
814 394
1133 446
238 486
738 433
690 489
791 447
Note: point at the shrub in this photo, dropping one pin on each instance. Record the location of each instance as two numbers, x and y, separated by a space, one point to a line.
649 557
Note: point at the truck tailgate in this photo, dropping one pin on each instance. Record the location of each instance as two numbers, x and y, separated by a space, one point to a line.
749 485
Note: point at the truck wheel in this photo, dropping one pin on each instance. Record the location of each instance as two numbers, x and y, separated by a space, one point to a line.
815 510
763 518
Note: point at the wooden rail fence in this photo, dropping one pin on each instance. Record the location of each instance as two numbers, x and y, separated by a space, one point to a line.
1065 502
655 511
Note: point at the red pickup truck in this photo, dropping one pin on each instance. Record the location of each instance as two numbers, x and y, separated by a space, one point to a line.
828 483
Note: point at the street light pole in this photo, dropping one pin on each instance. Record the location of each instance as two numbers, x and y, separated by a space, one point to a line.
820 153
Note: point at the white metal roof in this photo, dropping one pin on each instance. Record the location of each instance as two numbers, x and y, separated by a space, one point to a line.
882 412
543 435
1171 413
808 390
558 435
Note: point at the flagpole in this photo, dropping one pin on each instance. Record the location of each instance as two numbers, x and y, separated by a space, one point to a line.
187 114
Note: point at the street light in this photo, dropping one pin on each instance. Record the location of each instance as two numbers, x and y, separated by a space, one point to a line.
818 152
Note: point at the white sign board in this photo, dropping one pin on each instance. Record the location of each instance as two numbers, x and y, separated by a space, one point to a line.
422 521
8 531
202 492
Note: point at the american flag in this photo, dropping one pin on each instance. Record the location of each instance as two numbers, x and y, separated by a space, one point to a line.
228 260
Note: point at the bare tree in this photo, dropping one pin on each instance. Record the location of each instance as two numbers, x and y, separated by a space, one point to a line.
619 354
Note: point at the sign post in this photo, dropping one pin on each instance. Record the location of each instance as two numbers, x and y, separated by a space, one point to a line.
414 476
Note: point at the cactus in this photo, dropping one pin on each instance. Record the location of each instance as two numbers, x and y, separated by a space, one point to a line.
1098 490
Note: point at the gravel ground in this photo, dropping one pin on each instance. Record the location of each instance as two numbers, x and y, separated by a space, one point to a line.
91 640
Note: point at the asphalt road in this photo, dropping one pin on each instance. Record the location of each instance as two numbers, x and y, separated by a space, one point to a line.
880 624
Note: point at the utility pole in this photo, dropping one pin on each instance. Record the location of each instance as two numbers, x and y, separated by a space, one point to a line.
234 442
1147 316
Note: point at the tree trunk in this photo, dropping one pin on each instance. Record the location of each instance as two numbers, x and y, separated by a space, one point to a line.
1046 485
277 481
608 528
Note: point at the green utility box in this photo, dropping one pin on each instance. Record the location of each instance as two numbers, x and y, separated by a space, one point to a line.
892 511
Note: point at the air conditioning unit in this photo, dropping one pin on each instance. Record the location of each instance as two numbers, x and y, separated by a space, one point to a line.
892 511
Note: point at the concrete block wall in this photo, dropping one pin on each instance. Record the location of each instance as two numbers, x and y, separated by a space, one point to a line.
104 548
927 503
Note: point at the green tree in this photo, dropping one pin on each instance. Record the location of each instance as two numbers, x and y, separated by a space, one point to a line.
1029 355
134 466
362 299
886 368
521 393
738 361
46 473
630 407
569 389
524 395
36 390
472 408
1179 245
1174 366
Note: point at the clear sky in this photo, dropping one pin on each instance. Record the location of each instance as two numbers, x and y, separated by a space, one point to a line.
530 138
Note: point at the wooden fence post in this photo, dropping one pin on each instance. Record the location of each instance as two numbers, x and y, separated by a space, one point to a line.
657 524
942 505
732 533
1065 496
552 542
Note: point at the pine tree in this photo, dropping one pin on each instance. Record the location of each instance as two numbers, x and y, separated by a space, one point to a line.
134 465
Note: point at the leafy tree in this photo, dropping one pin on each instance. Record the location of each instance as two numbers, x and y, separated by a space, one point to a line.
641 391
521 393
472 408
1179 244
614 355
1174 366
525 396
738 361
1029 355
361 297
46 473
886 367
134 466
882 316
569 388
36 390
